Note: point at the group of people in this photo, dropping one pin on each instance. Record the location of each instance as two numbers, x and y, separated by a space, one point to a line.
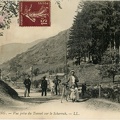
27 83
72 83
44 85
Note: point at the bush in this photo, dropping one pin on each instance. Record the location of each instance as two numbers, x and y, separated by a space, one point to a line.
111 93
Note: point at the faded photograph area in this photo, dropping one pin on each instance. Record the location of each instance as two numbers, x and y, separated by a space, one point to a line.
60 59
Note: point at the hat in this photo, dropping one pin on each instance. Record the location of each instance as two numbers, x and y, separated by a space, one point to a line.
44 76
72 71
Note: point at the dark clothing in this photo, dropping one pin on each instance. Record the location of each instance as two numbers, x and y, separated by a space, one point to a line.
56 89
83 89
27 84
44 91
56 82
44 87
44 84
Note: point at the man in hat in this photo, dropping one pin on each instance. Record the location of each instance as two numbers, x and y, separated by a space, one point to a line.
56 82
44 86
27 83
73 81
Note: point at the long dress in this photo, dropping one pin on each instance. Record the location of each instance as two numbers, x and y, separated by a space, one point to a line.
72 95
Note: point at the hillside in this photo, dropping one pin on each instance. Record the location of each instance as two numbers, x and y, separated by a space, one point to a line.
46 55
9 51
6 94
49 56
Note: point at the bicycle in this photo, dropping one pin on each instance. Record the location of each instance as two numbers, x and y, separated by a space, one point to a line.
65 92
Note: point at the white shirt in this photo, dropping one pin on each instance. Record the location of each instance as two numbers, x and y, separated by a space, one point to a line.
73 79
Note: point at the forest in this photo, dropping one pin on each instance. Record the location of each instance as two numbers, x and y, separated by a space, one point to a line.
95 34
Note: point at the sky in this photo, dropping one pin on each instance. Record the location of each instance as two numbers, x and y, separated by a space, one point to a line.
61 19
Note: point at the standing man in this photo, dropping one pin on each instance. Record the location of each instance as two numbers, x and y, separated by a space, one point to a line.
73 81
27 83
44 86
56 82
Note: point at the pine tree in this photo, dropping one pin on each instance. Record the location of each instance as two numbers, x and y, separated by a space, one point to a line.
95 27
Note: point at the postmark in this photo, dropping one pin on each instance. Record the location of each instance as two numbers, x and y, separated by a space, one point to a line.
34 13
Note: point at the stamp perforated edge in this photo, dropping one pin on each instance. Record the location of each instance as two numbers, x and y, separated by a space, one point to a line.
34 1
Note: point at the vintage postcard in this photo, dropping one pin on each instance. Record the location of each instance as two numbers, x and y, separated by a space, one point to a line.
60 59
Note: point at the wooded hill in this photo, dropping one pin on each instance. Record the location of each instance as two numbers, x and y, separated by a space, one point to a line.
47 56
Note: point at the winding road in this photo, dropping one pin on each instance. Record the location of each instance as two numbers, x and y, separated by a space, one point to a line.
49 107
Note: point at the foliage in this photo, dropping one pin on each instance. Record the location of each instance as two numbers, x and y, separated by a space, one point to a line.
58 2
95 27
36 71
15 66
8 10
13 79
108 92
109 70
110 57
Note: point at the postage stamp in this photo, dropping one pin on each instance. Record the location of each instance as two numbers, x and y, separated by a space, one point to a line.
34 13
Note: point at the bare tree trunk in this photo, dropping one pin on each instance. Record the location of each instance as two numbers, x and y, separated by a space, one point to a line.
84 57
99 91
113 78
88 56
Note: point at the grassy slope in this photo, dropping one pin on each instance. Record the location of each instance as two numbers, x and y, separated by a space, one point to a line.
6 93
89 73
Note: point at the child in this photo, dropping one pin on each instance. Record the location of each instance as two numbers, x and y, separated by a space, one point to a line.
72 95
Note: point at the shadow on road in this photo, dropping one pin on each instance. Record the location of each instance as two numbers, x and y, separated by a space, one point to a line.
39 99
83 100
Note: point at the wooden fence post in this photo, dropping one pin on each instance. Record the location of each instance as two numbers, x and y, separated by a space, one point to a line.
99 91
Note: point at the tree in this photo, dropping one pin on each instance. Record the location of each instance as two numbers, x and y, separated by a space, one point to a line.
15 66
97 23
35 71
110 70
8 10
79 36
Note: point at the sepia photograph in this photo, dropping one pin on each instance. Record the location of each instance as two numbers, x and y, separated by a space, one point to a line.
60 59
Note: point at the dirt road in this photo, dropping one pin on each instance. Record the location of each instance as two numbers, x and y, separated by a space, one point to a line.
49 106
